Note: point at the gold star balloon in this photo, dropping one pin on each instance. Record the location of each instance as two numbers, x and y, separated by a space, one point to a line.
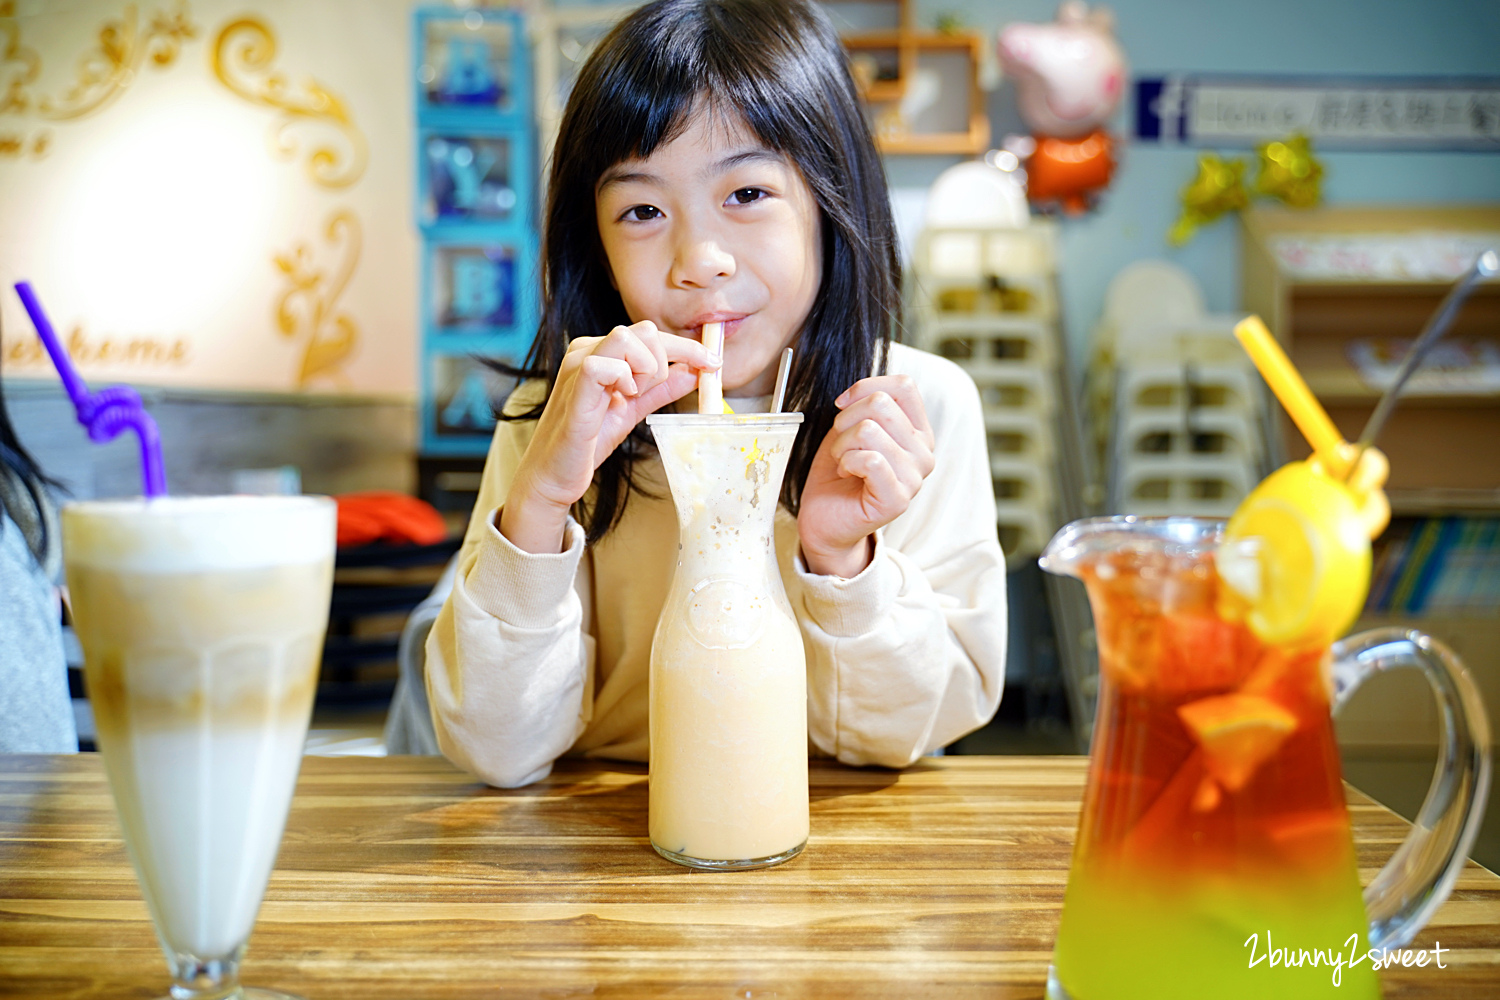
1289 172
1218 188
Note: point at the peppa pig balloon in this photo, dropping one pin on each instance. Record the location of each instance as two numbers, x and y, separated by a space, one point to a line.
1070 75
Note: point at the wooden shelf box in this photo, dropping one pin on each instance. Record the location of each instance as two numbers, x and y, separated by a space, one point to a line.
1444 449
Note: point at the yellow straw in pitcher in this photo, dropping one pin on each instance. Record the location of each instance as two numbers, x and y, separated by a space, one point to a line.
1289 555
1288 385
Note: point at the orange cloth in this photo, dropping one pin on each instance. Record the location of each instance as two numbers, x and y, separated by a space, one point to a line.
385 515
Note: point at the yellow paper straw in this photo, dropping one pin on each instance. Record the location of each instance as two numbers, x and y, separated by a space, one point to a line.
1285 381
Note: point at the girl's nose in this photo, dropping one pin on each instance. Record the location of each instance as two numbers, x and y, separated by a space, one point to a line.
700 263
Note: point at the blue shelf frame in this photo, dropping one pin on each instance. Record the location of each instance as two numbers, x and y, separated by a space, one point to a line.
498 246
484 25
488 103
518 170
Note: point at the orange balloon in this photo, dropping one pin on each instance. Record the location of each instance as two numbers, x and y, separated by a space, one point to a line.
1070 170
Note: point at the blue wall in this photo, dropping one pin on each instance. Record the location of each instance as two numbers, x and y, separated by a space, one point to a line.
1417 37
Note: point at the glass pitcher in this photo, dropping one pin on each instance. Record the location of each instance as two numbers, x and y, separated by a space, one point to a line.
1213 820
728 703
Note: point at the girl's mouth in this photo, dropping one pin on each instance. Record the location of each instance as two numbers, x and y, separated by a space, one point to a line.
731 324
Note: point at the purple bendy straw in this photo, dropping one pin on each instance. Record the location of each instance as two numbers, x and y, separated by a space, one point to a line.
104 413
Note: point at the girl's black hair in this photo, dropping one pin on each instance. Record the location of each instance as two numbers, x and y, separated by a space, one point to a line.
778 66
17 463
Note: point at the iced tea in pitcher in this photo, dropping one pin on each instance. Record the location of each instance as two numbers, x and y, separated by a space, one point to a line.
1214 856
1215 809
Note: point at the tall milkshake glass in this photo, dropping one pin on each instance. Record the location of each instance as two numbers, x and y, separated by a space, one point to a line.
728 717
202 622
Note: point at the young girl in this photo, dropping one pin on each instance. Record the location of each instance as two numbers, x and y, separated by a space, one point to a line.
713 165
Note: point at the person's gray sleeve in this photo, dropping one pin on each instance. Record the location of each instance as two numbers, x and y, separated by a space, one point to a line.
408 724
36 713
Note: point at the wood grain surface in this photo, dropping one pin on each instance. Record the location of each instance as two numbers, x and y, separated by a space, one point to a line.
404 878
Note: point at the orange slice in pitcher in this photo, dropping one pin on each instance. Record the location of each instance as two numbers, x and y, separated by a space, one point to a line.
1238 733
1297 553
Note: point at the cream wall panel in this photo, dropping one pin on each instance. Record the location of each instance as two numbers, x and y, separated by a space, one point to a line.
154 223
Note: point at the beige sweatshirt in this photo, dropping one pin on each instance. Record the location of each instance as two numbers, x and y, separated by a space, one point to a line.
537 656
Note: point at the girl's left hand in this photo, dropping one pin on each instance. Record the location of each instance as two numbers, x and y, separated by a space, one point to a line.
865 474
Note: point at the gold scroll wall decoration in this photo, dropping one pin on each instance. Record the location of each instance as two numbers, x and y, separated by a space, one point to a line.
242 59
243 53
104 72
308 309
19 64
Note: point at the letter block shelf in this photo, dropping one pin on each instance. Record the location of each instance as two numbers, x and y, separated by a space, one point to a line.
475 208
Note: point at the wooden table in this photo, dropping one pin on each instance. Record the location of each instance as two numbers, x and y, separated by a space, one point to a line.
403 878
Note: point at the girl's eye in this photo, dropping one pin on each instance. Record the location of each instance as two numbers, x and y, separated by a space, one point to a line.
642 213
745 196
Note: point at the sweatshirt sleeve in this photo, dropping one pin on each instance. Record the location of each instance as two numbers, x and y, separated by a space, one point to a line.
910 654
510 658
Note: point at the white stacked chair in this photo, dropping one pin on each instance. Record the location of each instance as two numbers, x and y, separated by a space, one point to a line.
984 295
1186 409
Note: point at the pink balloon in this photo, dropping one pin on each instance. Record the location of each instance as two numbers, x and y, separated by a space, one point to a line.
1069 73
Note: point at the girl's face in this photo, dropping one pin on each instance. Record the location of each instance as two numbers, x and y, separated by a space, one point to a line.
715 227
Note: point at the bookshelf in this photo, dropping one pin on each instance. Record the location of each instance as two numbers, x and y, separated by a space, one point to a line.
1444 448
1444 445
476 180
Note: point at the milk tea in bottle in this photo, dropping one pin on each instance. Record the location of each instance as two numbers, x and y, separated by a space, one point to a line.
728 712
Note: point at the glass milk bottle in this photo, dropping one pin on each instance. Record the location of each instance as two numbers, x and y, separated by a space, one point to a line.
728 675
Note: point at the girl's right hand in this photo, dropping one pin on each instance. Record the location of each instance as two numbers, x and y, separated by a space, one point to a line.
605 386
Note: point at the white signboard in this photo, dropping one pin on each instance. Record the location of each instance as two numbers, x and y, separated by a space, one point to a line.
1399 113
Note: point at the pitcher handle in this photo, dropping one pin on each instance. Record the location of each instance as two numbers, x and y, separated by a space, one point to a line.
1420 875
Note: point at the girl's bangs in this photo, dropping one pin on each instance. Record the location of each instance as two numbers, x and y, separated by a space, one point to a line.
647 95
